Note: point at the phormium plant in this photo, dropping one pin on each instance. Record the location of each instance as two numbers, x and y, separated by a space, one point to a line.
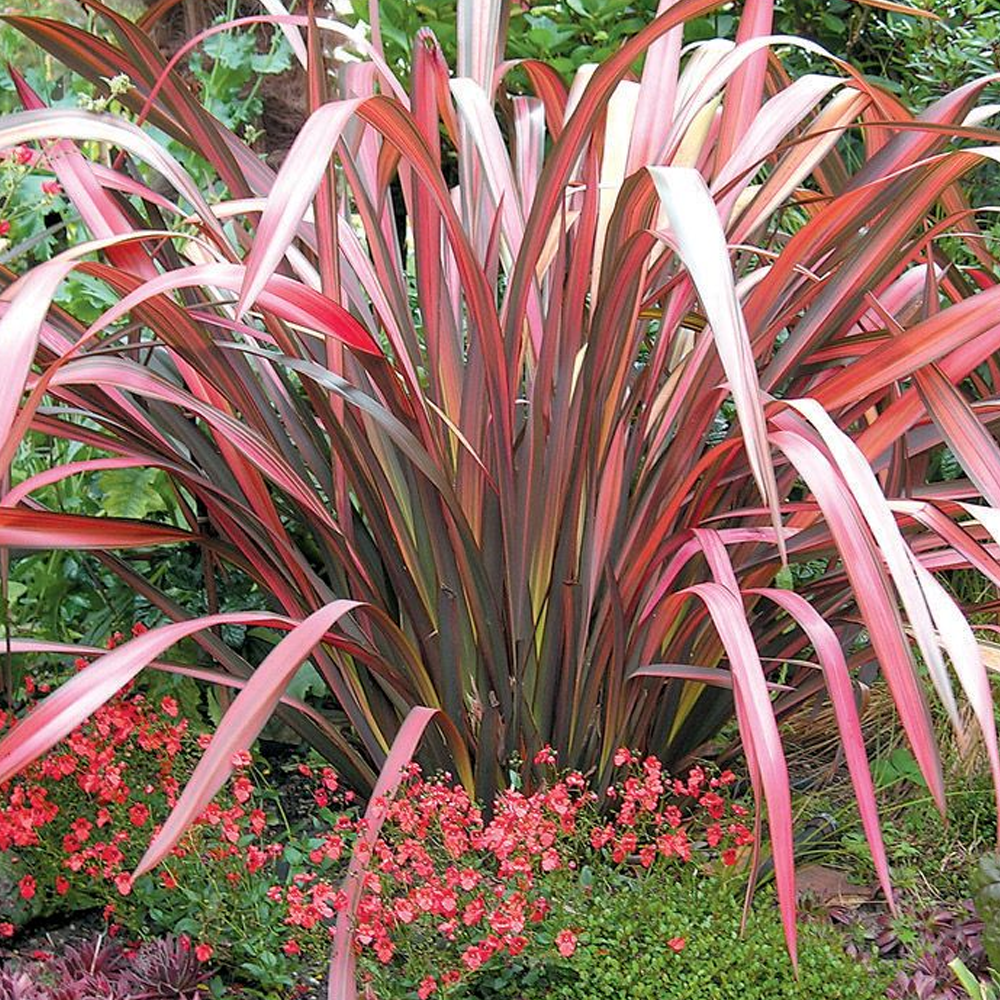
523 410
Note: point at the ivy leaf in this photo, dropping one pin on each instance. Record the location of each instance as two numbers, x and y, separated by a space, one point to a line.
131 492
305 681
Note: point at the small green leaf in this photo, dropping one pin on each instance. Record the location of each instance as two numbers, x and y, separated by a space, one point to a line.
131 492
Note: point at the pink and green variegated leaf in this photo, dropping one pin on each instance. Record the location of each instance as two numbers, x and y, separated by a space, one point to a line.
122 374
859 478
744 93
37 529
288 299
294 188
209 676
759 732
342 982
697 234
658 90
56 716
99 211
241 724
769 128
85 126
838 685
480 32
863 566
966 659
971 443
703 675
19 329
16 494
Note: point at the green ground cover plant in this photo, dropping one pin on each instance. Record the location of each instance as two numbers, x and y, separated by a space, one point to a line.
518 408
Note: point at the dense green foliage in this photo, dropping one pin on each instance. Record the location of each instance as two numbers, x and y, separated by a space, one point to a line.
919 58
625 924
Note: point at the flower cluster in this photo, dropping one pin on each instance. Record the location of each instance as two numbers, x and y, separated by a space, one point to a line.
448 891
84 811
449 888
651 821
468 889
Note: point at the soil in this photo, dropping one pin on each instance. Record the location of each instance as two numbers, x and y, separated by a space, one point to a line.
52 936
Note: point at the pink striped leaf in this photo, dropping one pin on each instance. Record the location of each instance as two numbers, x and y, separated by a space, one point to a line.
860 480
20 326
838 685
61 712
206 674
712 676
966 659
744 93
863 566
33 529
973 445
239 727
342 982
85 126
294 189
58 473
759 733
291 300
658 85
479 33
701 244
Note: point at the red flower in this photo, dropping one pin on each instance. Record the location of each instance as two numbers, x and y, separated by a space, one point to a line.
428 985
546 755
169 706
138 814
676 943
6 929
566 943
291 947
473 913
242 789
729 857
62 885
27 887
714 803
203 952
51 187
123 883
4 227
474 956
622 756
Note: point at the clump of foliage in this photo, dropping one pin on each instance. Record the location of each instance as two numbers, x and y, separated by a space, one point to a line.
515 407
451 895
923 941
162 969
678 934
